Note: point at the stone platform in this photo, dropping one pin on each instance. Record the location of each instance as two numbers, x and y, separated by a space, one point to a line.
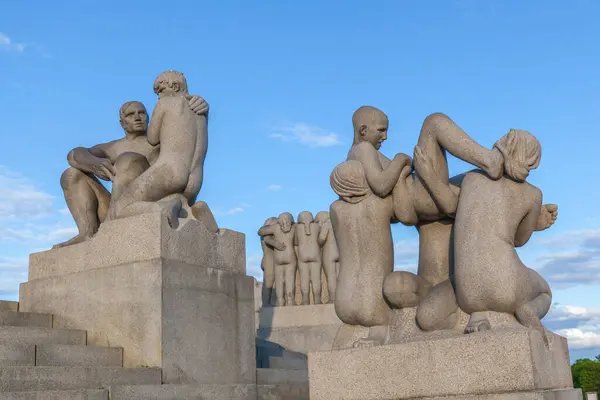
177 299
492 365
299 329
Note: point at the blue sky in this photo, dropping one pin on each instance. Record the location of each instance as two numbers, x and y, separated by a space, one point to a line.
283 79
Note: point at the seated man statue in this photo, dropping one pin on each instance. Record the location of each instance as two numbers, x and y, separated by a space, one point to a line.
87 199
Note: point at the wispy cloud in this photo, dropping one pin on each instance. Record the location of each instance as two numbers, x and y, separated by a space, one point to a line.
235 210
274 187
406 253
573 259
253 266
308 135
20 200
7 44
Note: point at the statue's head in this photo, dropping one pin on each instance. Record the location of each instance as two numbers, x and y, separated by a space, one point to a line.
271 221
286 221
170 83
134 118
522 153
370 125
322 216
305 217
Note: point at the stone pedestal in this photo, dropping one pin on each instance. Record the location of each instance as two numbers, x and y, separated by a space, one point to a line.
505 364
299 329
174 299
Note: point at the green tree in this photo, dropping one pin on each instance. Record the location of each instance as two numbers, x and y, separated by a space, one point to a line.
586 374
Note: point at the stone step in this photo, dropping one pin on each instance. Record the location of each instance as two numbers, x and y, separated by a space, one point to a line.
283 391
82 356
271 376
16 318
21 379
288 363
31 335
86 394
17 355
6 305
177 392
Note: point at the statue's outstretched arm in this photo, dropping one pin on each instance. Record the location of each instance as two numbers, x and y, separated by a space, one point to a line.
381 181
529 224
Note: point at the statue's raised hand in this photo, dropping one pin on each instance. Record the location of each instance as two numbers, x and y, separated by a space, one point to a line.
198 105
548 216
104 169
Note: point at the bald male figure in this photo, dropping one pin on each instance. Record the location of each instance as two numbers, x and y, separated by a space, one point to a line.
86 198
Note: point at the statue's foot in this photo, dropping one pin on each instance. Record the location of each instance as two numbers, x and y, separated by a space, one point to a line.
75 240
170 209
495 167
202 213
480 325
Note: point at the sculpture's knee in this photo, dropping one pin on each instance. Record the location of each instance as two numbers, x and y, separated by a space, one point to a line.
404 289
129 161
436 119
70 177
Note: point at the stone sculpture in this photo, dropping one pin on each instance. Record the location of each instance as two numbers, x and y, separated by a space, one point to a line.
268 244
374 192
178 168
284 257
119 161
329 252
492 218
309 257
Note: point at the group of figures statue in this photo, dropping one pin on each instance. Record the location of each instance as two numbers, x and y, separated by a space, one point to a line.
157 166
306 248
468 226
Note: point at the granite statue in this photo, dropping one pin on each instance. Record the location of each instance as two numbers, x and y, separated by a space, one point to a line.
284 258
374 192
175 177
309 257
269 244
87 199
329 252
492 218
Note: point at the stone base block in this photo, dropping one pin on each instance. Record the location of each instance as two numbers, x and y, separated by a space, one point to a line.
300 328
560 394
177 392
489 363
178 301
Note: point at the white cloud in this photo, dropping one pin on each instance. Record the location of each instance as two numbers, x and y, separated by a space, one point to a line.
235 210
573 259
406 254
307 135
20 200
42 233
579 339
6 43
274 187
580 325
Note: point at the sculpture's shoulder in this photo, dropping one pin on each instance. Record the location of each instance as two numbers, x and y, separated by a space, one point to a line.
361 150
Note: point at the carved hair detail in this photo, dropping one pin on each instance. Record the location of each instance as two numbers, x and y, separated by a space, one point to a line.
322 216
170 79
126 105
522 153
286 220
305 217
